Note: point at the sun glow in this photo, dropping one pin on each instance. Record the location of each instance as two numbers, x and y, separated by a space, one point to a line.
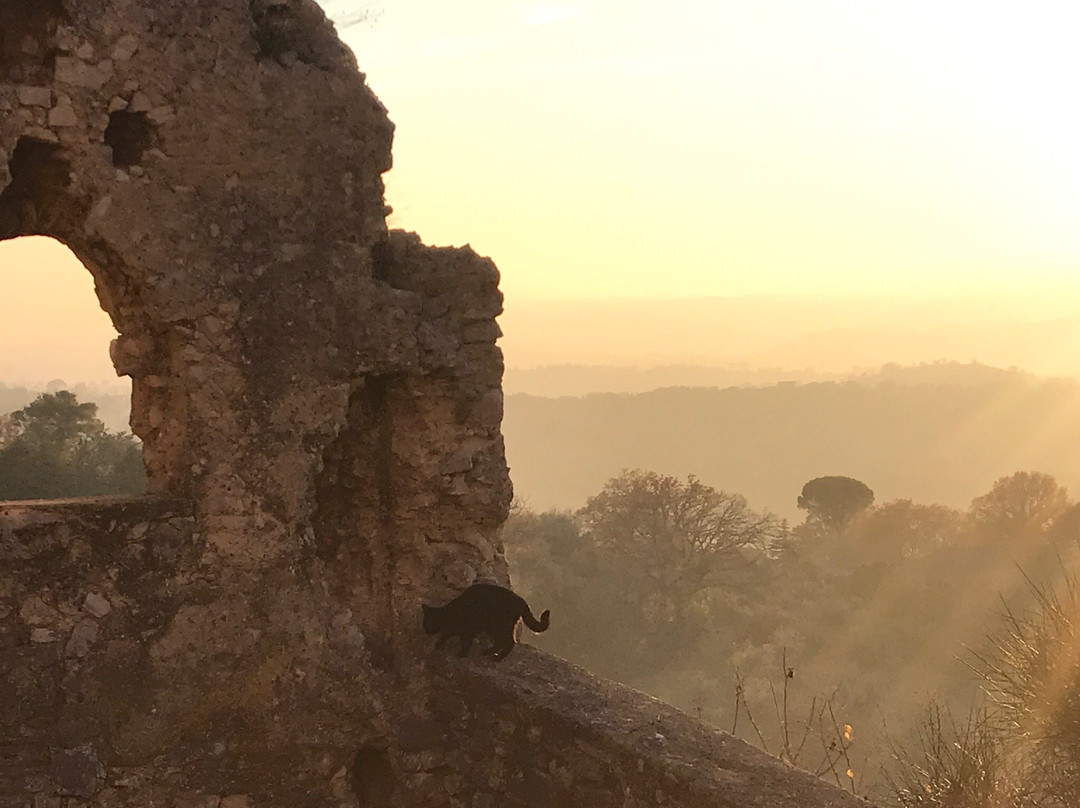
738 148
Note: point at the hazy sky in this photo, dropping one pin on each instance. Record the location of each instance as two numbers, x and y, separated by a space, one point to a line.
597 148
51 326
606 147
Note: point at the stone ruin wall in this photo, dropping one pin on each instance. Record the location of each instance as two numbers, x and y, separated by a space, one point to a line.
131 679
217 167
319 403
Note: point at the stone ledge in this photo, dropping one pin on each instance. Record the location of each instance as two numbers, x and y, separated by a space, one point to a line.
126 508
655 754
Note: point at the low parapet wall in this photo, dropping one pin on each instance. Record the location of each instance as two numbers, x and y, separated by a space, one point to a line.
80 582
129 676
547 733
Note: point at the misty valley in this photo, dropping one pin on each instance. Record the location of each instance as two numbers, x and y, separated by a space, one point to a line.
917 645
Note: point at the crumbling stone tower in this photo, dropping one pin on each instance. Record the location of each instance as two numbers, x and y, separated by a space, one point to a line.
319 403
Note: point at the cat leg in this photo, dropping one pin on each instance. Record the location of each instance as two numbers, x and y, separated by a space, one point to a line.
498 641
466 644
503 650
504 642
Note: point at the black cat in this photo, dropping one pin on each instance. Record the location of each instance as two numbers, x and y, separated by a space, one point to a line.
482 608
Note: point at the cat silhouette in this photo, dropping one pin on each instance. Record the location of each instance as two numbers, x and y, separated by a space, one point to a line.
483 609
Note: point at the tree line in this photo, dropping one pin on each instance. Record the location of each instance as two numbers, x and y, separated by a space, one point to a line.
686 591
56 447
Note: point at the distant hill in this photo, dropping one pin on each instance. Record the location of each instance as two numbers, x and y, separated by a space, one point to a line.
935 434
580 380
961 374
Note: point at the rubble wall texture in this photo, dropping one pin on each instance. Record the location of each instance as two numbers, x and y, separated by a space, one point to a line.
132 677
217 167
319 403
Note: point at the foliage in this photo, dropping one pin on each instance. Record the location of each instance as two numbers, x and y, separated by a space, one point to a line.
644 569
957 765
1032 677
670 547
652 592
538 538
902 529
1021 506
819 743
1021 747
61 449
831 502
552 563
55 421
682 536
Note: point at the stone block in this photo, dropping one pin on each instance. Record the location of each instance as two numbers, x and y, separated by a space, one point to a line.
63 114
34 96
77 73
83 636
97 605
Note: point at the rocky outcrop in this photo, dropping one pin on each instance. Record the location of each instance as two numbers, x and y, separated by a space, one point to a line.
319 403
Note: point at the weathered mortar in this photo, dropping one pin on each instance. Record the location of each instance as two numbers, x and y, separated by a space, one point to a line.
134 677
319 401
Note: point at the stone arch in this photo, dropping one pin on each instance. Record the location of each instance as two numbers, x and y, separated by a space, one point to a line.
42 198
226 194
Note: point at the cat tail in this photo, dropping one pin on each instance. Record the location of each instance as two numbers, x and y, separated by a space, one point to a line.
536 625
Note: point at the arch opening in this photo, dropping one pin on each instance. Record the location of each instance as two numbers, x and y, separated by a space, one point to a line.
63 410
34 201
44 198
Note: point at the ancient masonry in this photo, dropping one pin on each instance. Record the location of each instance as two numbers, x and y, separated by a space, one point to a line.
319 400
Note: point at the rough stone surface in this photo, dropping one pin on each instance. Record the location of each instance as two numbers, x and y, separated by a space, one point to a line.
96 605
187 693
34 96
586 742
319 402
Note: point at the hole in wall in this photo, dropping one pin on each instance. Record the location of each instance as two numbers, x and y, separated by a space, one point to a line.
129 134
54 361
39 163
33 202
275 24
382 260
372 778
27 40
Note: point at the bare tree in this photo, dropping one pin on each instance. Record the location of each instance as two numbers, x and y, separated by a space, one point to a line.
682 536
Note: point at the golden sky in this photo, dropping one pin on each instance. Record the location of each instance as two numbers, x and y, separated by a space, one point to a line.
598 149
611 147
51 325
